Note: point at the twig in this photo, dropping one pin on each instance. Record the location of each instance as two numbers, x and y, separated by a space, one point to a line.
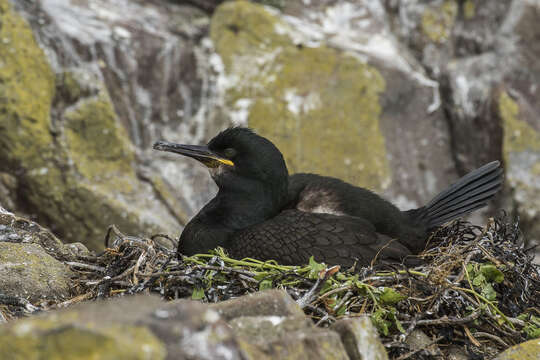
75 300
85 266
492 337
448 320
311 294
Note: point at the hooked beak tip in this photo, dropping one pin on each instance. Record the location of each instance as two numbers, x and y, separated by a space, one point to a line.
158 145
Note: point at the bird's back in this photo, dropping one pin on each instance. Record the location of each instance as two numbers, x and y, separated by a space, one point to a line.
324 194
293 236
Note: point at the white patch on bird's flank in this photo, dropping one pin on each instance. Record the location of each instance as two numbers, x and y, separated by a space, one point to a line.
403 203
322 209
319 201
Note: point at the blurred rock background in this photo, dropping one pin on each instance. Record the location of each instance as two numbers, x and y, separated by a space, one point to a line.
400 96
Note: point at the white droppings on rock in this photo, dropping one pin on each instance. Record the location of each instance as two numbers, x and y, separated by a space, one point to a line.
275 320
121 32
211 316
361 28
4 211
240 113
462 95
297 104
202 345
161 314
7 265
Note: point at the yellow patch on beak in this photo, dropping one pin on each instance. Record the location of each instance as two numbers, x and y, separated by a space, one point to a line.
225 161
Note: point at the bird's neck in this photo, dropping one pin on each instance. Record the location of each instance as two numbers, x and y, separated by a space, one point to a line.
232 209
239 208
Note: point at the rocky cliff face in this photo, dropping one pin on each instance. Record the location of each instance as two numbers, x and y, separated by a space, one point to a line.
398 96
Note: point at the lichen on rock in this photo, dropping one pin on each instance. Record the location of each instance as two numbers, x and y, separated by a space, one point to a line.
438 21
27 271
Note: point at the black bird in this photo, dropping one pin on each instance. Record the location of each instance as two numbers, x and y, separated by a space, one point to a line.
261 212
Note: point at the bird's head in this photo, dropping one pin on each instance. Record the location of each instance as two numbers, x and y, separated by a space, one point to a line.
235 157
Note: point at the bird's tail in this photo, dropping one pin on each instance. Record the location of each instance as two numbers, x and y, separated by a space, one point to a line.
469 193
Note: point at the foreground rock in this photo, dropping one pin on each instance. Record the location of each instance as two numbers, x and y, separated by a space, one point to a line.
31 261
529 350
147 328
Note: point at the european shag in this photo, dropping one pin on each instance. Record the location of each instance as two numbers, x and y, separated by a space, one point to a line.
261 212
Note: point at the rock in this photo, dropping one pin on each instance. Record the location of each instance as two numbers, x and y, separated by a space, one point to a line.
260 329
519 109
528 350
272 303
417 339
15 229
8 186
153 60
27 271
455 352
279 337
92 330
314 344
360 338
147 328
32 261
77 164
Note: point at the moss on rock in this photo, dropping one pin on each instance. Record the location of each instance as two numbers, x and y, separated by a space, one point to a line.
99 147
438 21
28 271
320 106
26 92
525 351
518 135
46 339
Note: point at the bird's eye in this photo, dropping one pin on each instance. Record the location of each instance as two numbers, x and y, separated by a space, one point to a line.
229 152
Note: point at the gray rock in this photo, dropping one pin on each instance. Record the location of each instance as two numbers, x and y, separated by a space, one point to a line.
455 352
16 229
263 303
281 337
140 327
143 327
360 338
417 340
261 329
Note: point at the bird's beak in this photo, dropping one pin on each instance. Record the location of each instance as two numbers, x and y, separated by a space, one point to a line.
197 152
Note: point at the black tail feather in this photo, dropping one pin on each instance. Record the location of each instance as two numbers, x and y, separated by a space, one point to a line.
469 193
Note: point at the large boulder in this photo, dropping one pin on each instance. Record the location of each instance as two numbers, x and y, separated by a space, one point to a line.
60 135
143 327
32 261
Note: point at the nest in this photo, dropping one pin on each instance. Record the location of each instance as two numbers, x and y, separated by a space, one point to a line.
477 287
